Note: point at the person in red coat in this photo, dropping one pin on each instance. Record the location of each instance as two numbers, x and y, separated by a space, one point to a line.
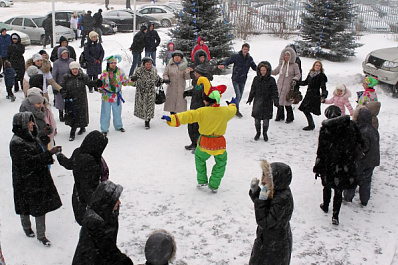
200 46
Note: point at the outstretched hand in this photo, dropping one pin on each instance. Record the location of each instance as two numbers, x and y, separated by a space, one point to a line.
165 117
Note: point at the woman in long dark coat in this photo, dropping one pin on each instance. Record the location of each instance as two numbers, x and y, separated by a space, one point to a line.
15 55
94 54
34 190
264 92
98 236
89 169
273 206
316 81
75 93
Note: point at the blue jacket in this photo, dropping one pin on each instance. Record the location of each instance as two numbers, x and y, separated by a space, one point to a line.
241 66
5 41
94 51
9 76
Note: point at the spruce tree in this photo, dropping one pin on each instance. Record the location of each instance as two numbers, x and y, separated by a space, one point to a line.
203 18
327 30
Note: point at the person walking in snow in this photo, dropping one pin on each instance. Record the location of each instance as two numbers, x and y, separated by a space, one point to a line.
212 121
15 55
273 207
98 236
264 92
200 46
289 75
242 63
339 145
5 42
9 75
340 98
89 169
137 47
152 41
316 81
113 79
34 190
370 159
369 95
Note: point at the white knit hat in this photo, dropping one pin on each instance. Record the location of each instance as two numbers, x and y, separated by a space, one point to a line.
341 87
36 57
74 65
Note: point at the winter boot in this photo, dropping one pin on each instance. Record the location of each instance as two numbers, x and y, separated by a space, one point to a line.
190 147
72 134
265 130
147 126
290 116
44 241
257 124
81 131
12 98
61 116
311 124
238 114
324 208
29 232
280 114
16 86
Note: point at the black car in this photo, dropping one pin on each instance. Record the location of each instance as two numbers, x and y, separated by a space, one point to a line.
124 19
62 18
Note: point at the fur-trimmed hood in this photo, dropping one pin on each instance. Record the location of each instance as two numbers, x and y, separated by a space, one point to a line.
277 175
160 248
268 66
346 93
293 55
20 126
45 67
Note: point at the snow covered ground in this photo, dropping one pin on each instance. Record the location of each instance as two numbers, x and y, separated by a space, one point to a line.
159 177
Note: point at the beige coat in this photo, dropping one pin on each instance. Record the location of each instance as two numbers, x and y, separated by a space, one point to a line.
374 107
285 80
175 101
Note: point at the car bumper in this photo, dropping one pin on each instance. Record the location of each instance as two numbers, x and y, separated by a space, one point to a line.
388 77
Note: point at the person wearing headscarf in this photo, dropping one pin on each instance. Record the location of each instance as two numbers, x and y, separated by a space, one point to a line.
63 42
94 54
15 56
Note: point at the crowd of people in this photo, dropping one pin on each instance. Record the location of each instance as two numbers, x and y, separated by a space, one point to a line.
348 149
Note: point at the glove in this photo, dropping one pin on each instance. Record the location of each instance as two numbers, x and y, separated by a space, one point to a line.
166 81
317 175
249 102
264 193
69 100
294 83
56 150
134 78
233 101
254 184
99 83
165 117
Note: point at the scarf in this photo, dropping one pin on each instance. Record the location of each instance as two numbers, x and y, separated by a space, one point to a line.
287 68
314 73
112 79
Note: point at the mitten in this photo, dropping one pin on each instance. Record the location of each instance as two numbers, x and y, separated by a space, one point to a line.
165 117
166 81
233 101
254 184
264 193
134 78
99 83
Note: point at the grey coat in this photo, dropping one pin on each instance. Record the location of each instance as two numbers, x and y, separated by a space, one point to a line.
285 79
60 68
175 101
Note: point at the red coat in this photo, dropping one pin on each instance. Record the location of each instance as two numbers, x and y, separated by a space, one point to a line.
200 47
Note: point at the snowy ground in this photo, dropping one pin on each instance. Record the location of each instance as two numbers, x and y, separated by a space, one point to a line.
159 178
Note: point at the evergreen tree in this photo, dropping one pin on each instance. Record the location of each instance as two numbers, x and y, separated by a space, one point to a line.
327 30
202 18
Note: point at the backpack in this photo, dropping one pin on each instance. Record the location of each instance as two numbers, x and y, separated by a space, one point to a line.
83 61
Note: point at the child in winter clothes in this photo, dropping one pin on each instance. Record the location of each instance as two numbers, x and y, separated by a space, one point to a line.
371 158
168 53
340 98
200 46
370 94
113 78
374 108
160 248
264 91
273 206
9 78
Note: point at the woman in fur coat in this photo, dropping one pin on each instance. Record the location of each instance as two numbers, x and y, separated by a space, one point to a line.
289 75
273 206
316 81
340 98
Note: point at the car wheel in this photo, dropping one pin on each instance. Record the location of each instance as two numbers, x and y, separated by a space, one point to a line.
165 23
2 4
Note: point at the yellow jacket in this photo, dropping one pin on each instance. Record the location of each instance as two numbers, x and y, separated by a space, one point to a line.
212 122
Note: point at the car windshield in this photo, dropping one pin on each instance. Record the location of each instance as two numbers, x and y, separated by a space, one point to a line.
2 25
39 21
168 8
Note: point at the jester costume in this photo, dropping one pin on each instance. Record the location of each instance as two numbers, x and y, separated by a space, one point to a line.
212 121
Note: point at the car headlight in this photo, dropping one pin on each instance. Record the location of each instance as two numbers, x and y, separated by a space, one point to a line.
389 64
106 26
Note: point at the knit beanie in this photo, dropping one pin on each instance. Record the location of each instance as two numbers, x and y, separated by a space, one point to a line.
341 87
74 65
32 70
371 81
35 95
92 34
36 57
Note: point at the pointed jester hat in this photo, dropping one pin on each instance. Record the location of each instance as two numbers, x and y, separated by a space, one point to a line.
212 94
371 81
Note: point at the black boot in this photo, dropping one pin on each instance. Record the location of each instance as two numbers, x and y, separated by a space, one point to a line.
311 124
61 116
289 116
16 86
81 131
265 130
257 124
280 114
147 126
72 134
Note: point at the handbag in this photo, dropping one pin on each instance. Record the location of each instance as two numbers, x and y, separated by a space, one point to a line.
294 96
160 95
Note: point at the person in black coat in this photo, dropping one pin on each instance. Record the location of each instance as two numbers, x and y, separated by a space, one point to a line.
63 42
87 24
94 54
273 206
152 41
339 145
370 160
15 56
34 190
89 168
316 81
137 47
76 103
264 92
48 31
98 235
98 19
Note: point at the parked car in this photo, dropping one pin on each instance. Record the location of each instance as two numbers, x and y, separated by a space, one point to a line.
33 27
25 40
163 14
175 5
62 18
124 19
383 64
6 3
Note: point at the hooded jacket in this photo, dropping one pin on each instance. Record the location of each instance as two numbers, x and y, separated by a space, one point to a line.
273 244
138 44
264 92
5 41
152 39
15 55
34 190
341 101
197 47
54 54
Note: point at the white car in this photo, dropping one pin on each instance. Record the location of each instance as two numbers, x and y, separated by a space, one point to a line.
163 14
6 3
25 40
